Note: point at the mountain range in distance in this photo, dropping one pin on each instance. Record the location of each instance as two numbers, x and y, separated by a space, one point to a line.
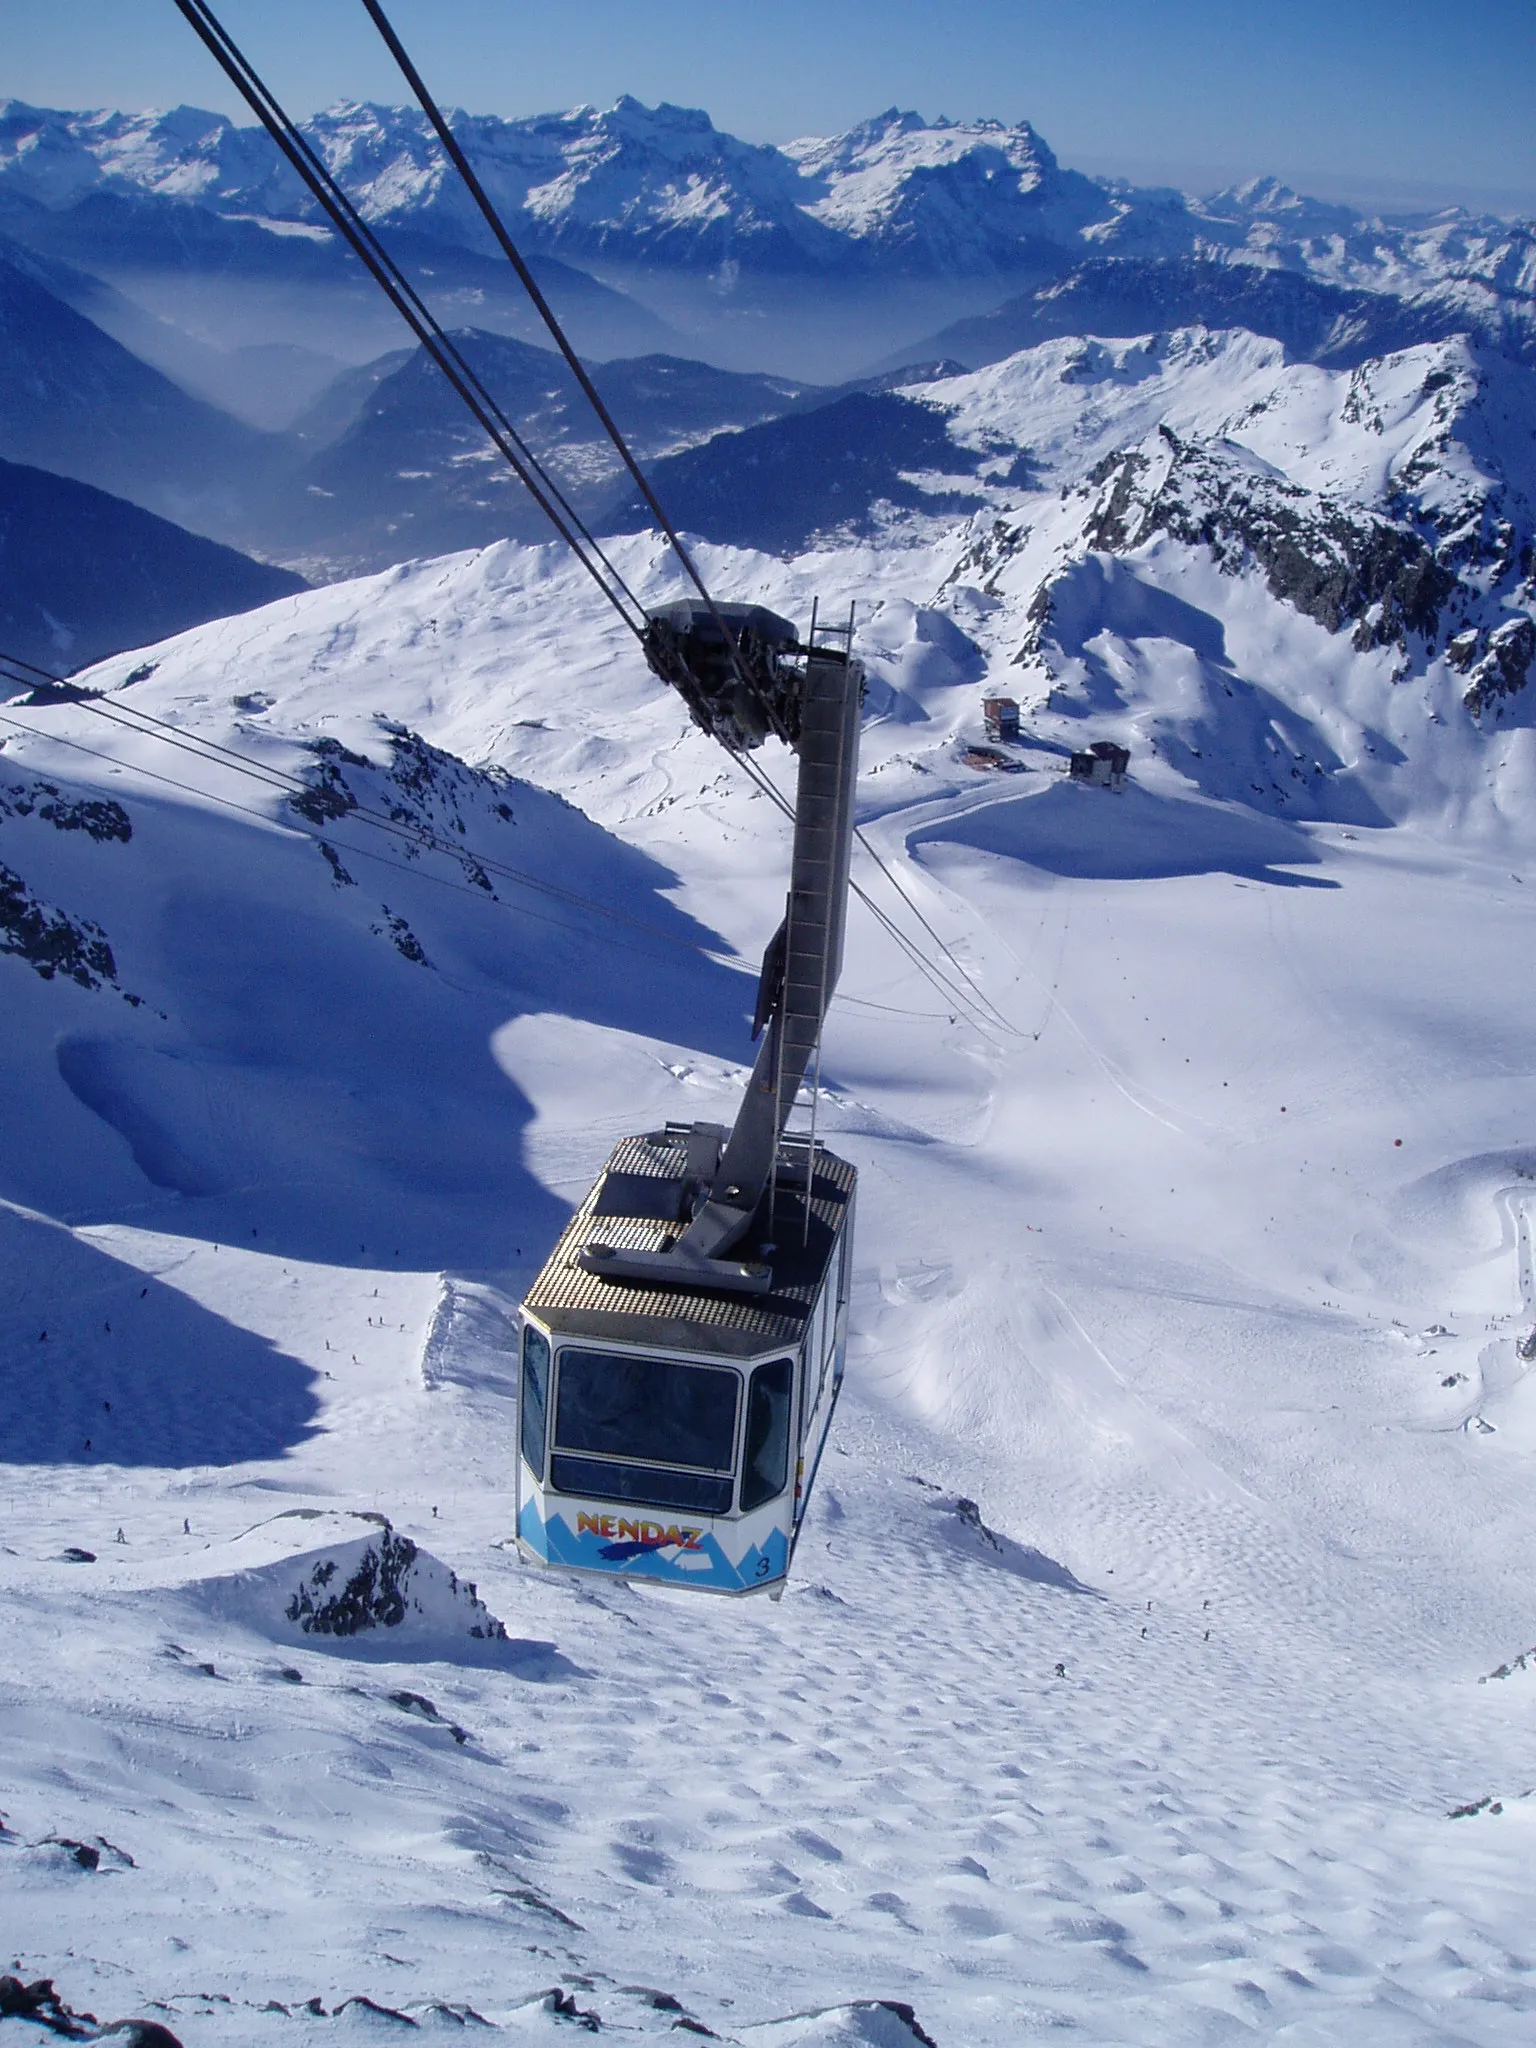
383 464
181 333
814 260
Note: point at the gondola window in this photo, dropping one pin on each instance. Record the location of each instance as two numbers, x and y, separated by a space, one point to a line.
535 1396
651 1432
765 1470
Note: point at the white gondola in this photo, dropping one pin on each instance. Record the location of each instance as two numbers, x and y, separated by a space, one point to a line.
683 1345
676 1434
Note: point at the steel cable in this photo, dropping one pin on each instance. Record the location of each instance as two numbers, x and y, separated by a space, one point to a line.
387 274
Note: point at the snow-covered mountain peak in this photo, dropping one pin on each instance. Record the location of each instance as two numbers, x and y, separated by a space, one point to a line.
905 137
630 116
180 152
388 155
1261 197
1441 430
898 195
945 195
1068 401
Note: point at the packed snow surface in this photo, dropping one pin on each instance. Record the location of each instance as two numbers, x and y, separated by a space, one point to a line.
1127 1685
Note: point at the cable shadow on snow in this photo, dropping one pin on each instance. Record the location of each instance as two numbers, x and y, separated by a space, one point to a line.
1136 836
101 1364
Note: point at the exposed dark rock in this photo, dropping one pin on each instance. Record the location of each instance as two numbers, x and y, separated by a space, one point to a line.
404 939
420 787
333 860
903 2012
328 796
367 2005
98 818
1524 1662
535 1902
1041 607
988 548
374 1596
1335 563
970 1514
40 2002
416 1703
50 940
1503 668
86 1854
1463 648
1110 526
73 1554
564 2006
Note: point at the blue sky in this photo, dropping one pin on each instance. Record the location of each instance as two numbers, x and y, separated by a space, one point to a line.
1417 101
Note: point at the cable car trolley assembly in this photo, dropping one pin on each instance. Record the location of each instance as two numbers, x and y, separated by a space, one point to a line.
682 1349
683 1346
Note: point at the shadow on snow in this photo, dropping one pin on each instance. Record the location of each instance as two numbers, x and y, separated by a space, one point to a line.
294 1081
101 1364
1133 837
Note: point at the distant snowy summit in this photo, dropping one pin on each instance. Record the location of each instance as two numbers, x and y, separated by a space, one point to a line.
897 196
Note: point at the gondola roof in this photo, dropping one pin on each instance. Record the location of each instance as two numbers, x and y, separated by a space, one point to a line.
636 1204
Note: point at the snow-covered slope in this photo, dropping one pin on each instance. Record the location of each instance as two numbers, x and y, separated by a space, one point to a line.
1217 504
1128 1680
1397 499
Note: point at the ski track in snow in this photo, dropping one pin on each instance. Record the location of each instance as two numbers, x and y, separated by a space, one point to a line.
1231 1374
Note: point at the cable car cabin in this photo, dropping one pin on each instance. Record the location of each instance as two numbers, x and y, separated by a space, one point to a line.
671 1433
682 1349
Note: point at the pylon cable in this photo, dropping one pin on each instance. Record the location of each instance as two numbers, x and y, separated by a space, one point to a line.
212 754
497 226
387 274
199 14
